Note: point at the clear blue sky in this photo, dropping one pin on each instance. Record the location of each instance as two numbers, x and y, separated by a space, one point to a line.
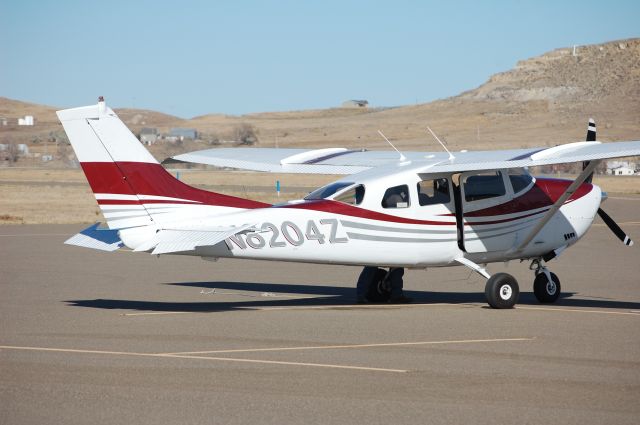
190 58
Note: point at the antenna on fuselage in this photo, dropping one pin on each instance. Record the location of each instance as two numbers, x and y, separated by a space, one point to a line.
402 157
451 157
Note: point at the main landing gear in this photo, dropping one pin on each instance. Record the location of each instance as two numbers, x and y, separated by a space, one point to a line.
379 287
502 291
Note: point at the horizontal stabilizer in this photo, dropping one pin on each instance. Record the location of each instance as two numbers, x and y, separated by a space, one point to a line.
168 241
95 238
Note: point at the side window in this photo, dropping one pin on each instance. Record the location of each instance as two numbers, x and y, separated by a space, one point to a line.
396 197
431 192
353 196
519 179
483 185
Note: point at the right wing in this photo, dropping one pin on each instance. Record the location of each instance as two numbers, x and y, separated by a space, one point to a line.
302 161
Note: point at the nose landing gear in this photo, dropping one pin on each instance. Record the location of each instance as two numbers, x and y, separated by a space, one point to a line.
546 286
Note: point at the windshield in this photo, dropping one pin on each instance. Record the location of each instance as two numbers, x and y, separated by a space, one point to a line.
326 191
520 179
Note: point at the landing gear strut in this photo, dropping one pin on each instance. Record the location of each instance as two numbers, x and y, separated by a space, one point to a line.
546 286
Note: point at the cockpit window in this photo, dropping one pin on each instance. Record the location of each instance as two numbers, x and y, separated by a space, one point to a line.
326 191
353 196
396 197
433 191
483 185
519 178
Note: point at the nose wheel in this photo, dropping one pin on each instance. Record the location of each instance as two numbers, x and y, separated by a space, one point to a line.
546 286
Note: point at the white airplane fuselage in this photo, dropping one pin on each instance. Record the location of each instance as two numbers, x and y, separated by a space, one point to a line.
329 231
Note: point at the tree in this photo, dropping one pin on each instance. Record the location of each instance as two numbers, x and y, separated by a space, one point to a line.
245 134
12 152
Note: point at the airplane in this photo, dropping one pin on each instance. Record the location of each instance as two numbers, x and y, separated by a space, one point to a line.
390 210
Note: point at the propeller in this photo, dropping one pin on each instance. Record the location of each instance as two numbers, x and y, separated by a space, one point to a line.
614 227
591 137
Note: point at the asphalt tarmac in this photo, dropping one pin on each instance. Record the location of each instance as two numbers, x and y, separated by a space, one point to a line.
92 337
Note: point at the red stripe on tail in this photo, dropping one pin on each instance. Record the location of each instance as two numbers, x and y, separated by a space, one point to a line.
141 178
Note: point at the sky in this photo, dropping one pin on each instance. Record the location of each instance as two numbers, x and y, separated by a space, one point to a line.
190 58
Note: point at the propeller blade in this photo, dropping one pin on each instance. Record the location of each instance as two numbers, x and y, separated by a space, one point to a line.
615 228
591 137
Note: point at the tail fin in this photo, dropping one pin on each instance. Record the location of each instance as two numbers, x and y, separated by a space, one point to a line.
131 187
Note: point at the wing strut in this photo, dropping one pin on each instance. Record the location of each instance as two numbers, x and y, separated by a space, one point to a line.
584 175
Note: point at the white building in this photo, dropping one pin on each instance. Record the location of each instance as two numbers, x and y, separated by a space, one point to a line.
621 168
27 120
355 103
621 171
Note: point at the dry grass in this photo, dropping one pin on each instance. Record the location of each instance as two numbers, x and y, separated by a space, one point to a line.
35 196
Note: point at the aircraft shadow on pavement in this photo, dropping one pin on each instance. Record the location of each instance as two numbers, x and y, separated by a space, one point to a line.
261 295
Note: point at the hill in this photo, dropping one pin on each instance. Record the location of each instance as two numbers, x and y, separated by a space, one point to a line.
544 100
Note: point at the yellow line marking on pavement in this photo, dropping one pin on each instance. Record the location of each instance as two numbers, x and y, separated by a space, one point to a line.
332 347
72 350
222 359
333 366
161 313
349 306
575 310
623 198
308 307
627 223
39 234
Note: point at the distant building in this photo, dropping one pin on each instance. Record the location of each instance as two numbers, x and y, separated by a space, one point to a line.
184 133
3 121
621 171
621 168
27 120
20 148
148 136
353 103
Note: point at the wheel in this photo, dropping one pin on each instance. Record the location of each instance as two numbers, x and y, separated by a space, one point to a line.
501 291
380 288
546 291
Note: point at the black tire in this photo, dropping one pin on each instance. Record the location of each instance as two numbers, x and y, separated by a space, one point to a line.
546 292
379 288
502 291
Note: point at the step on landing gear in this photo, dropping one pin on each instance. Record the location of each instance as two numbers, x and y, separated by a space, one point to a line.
546 286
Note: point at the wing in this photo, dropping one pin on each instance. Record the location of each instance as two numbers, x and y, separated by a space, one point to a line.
571 152
302 161
346 161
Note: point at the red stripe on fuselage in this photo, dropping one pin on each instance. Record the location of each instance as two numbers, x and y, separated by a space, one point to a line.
336 207
144 201
141 178
544 193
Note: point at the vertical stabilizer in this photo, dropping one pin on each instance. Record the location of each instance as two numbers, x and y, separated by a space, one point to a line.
131 187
